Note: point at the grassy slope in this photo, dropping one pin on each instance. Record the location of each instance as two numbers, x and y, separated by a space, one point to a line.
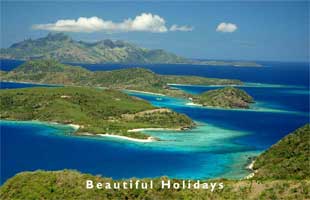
287 159
68 184
228 97
98 111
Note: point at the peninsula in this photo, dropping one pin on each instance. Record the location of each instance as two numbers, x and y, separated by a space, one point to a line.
94 111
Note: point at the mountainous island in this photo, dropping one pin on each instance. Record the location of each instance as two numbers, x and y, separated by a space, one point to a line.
95 111
62 48
282 173
227 97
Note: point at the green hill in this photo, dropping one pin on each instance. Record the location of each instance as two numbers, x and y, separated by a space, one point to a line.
287 159
228 97
61 47
97 111
53 72
68 184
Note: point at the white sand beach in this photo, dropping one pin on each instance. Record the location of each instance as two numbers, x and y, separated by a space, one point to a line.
153 93
149 139
154 129
250 167
75 126
193 104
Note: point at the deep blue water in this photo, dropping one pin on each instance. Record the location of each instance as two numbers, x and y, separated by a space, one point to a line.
9 85
292 73
217 148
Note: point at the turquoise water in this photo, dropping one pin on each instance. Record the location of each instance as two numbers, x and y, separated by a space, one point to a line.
218 147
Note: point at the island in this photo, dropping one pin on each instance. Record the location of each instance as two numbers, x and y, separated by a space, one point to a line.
229 63
141 79
61 47
134 79
227 97
282 173
92 111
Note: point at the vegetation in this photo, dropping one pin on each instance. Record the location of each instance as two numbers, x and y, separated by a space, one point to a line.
228 97
287 159
53 72
61 47
69 184
95 110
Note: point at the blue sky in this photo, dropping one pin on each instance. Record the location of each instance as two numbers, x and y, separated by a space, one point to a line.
252 31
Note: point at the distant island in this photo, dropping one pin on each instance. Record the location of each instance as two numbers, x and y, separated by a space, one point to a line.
282 172
62 48
136 79
227 97
91 111
230 63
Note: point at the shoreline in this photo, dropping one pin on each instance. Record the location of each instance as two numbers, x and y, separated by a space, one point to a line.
250 168
149 139
194 104
154 129
75 127
195 85
144 92
33 83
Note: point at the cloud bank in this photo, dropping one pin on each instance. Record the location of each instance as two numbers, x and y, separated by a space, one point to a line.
226 27
145 22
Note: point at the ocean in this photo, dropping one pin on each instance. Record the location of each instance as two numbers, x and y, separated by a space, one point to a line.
218 147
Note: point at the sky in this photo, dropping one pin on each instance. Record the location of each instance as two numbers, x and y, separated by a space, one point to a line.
254 31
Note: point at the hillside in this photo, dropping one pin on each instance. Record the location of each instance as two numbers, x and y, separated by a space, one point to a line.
282 173
96 111
287 159
61 47
228 97
68 184
53 72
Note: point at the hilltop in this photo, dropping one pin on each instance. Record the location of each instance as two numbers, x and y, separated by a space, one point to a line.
96 111
67 184
287 159
61 47
227 97
53 72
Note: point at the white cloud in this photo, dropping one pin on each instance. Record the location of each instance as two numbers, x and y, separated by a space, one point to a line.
175 27
226 27
146 22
